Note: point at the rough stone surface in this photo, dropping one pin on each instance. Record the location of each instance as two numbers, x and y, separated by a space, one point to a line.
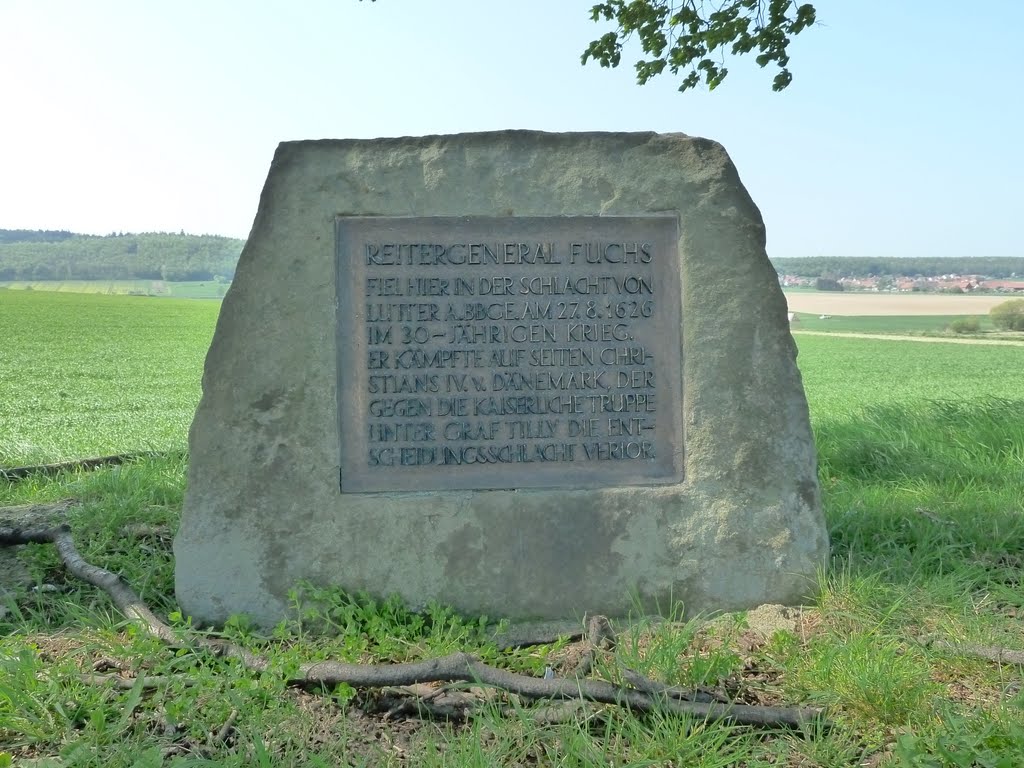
263 509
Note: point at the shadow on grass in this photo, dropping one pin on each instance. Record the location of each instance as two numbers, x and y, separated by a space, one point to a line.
927 490
950 442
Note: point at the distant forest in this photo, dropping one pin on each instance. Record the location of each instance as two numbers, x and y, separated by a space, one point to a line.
58 255
857 266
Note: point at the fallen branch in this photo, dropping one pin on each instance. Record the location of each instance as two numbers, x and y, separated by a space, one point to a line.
457 667
148 682
654 688
467 668
18 473
987 652
124 597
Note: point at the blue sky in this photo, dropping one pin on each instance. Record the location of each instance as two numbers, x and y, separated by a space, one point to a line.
901 135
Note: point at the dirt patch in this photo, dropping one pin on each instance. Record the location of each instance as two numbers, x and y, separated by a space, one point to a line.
894 337
842 303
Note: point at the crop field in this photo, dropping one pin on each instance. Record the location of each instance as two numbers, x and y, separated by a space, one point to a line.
843 376
86 375
921 461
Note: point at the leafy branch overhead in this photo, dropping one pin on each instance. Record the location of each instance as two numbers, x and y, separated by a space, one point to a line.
693 36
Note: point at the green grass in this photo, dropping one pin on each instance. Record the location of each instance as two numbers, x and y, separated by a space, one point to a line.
842 376
84 375
922 468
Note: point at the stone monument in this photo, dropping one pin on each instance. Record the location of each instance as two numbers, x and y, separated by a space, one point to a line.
528 375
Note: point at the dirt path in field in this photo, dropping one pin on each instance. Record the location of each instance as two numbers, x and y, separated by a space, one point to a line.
894 337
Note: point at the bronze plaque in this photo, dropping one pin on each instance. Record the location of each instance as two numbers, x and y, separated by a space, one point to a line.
509 352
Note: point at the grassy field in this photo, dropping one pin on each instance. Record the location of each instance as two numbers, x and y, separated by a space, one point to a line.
844 377
922 467
208 289
85 374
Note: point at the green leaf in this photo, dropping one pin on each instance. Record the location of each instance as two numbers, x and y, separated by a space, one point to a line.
683 38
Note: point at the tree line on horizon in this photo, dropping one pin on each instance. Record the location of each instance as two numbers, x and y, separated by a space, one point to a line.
834 267
62 255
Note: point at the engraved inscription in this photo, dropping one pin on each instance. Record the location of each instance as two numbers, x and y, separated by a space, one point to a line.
480 352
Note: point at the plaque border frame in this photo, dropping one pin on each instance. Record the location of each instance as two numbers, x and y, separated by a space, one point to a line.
351 346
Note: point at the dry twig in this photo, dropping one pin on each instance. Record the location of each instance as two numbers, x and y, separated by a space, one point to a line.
221 736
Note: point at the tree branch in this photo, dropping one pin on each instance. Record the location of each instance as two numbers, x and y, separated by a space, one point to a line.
987 652
19 473
457 667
